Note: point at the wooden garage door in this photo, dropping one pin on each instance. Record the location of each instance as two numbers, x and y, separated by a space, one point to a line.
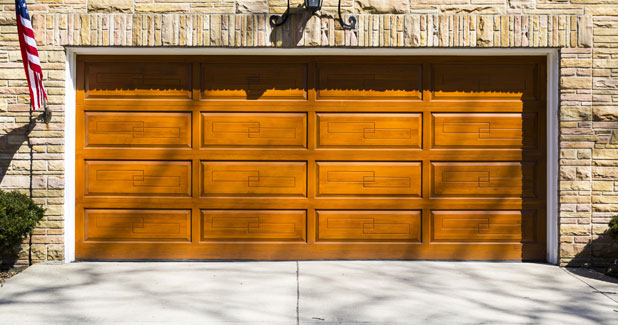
311 158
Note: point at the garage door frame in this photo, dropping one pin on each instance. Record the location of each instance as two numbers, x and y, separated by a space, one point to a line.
552 55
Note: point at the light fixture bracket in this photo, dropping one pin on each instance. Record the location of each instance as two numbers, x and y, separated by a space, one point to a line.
313 6
351 20
276 21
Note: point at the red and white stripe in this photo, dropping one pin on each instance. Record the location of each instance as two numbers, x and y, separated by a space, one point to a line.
32 64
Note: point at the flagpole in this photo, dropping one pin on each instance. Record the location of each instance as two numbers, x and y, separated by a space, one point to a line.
31 124
34 78
46 118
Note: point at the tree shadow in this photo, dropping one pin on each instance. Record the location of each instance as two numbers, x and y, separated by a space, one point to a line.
600 254
10 143
223 291
292 31
310 292
608 277
459 89
447 292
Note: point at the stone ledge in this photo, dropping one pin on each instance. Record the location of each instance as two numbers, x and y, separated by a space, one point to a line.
372 30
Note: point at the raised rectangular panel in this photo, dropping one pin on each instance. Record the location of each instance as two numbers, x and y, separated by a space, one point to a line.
484 130
242 225
369 130
254 130
138 80
138 130
254 178
369 225
137 225
259 81
369 81
138 178
483 179
369 178
483 226
481 81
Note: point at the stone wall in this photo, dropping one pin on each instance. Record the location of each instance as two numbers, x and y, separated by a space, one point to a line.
240 30
585 32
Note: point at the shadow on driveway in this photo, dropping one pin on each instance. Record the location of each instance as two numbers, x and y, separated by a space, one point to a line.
321 292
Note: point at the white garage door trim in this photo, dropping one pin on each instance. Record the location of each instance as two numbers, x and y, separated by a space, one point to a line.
552 113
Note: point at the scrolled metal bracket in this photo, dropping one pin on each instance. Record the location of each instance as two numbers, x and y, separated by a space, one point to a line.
352 19
47 114
282 19
313 6
44 117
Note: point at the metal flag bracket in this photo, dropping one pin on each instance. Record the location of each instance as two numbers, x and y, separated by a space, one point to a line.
47 114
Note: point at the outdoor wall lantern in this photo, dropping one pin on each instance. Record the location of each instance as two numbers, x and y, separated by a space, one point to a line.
313 6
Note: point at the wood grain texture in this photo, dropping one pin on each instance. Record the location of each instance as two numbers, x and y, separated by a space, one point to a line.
369 130
254 130
485 81
474 179
137 225
240 81
483 226
138 130
254 178
311 157
142 178
484 130
369 225
369 178
124 80
251 225
369 81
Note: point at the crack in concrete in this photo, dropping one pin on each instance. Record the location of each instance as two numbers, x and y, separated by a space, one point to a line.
604 293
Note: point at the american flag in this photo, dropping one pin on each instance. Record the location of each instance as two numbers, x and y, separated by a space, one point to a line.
30 55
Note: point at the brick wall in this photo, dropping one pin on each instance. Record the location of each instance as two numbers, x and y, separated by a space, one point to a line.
585 31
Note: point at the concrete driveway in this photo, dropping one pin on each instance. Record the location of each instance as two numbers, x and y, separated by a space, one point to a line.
318 292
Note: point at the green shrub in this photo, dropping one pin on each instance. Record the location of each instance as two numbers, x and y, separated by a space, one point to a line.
18 217
613 227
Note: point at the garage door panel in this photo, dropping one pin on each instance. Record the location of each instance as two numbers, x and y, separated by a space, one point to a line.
369 81
266 81
369 178
367 130
138 130
247 178
254 130
484 130
137 225
483 226
369 226
483 179
310 157
481 81
249 225
141 178
138 80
